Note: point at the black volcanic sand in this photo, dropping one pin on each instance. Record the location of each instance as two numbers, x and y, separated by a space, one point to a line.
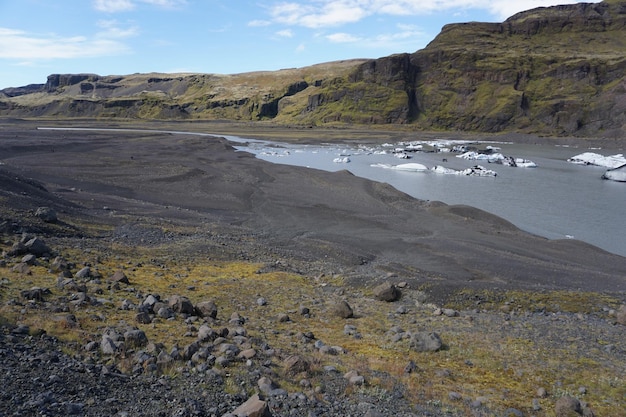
222 203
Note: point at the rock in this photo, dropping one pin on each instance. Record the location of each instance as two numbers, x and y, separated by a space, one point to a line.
342 309
205 334
165 313
83 273
21 268
567 407
261 301
47 214
119 276
143 318
387 292
296 364
35 293
454 396
247 354
266 385
37 247
512 412
542 393
135 338
620 315
283 318
29 259
253 407
108 346
426 342
59 264
448 312
181 304
206 309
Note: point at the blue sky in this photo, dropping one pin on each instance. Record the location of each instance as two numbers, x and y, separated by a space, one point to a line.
117 37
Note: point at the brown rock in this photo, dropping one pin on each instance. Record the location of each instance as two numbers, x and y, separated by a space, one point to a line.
296 364
567 407
119 276
387 292
253 407
342 309
181 304
206 309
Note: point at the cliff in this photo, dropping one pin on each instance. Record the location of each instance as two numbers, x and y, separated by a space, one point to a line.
555 71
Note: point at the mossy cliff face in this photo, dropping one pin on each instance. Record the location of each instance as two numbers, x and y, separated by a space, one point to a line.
555 71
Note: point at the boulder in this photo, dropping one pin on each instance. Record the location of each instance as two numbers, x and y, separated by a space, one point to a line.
387 292
426 342
206 309
47 214
135 338
35 293
37 247
342 309
83 273
296 364
119 276
253 407
567 407
180 304
21 268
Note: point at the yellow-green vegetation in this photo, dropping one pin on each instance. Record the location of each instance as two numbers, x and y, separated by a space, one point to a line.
491 358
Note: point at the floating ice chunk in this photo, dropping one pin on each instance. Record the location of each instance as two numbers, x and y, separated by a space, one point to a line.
343 160
616 174
412 167
402 155
472 155
479 171
591 158
438 169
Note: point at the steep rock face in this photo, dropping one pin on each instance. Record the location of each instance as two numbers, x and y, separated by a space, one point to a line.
558 70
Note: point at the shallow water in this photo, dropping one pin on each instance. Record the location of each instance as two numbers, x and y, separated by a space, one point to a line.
556 200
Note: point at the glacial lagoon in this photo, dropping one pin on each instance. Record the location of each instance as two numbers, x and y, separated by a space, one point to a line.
557 199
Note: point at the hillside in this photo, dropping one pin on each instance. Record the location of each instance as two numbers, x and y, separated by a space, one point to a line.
550 71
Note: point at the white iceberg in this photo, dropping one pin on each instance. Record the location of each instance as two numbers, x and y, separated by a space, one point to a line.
476 171
591 158
412 167
472 156
616 174
517 162
343 160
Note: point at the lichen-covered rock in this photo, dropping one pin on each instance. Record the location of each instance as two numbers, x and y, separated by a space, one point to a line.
426 342
342 309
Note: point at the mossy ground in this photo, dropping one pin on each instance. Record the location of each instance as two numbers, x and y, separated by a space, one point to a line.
492 354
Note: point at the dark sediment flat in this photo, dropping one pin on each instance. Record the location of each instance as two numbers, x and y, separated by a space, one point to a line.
319 222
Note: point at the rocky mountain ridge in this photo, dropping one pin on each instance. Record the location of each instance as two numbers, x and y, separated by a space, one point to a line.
552 71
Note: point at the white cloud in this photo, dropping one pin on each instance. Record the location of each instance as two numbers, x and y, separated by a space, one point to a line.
328 13
16 44
111 29
301 48
342 38
287 33
259 23
113 6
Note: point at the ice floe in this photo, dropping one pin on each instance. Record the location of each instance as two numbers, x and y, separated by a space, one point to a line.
413 167
616 174
343 160
592 158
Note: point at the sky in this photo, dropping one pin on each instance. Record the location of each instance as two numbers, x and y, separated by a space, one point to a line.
119 37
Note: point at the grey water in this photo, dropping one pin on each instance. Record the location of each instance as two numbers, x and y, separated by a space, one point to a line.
556 200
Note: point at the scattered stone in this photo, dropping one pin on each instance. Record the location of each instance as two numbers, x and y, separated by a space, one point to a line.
296 364
454 396
206 309
29 259
354 378
426 342
35 293
21 268
283 318
304 311
342 309
143 318
387 292
261 301
448 312
180 304
119 276
135 338
47 214
512 412
567 407
266 385
83 273
253 407
205 333
37 247
108 346
542 393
